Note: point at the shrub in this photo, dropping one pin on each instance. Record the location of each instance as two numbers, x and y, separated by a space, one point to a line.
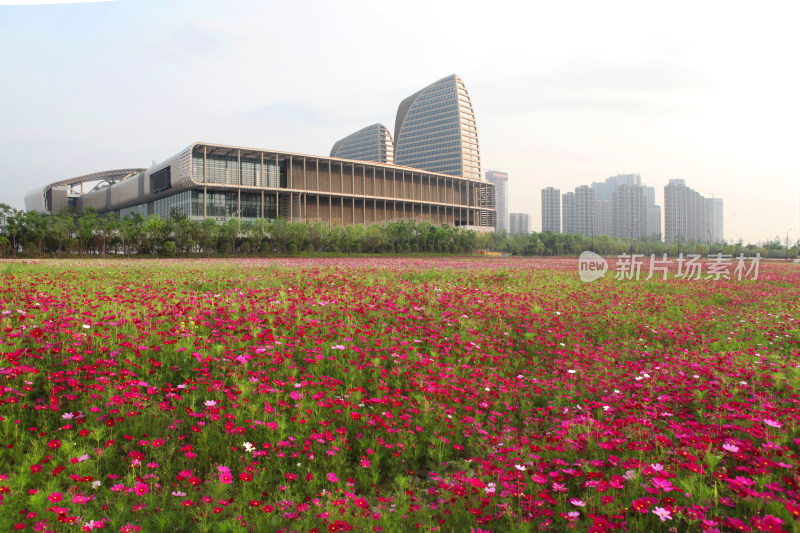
169 249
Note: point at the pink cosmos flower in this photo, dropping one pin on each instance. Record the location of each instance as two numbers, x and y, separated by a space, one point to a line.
663 484
662 513
332 477
579 503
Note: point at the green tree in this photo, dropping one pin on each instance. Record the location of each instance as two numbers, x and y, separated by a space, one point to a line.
5 245
37 228
279 235
61 227
257 232
107 228
6 212
229 233
153 233
130 229
373 237
209 235
86 228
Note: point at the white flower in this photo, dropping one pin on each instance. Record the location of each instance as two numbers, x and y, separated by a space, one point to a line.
96 484
249 446
86 326
571 371
521 468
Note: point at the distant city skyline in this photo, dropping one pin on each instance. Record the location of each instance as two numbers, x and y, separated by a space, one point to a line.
561 100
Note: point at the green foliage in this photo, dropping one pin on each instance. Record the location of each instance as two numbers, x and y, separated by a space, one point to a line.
135 234
169 249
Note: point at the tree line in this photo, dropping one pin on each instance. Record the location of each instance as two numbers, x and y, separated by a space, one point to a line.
34 234
30 234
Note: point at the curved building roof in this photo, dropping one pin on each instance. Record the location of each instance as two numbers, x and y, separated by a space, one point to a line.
373 143
44 200
435 130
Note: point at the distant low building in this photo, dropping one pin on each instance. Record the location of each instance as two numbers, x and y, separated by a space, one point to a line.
520 223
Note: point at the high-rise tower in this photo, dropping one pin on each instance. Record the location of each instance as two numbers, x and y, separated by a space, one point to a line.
551 210
373 143
500 181
435 130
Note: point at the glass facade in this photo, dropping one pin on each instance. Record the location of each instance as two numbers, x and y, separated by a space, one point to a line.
224 169
436 131
141 209
221 205
373 143
181 203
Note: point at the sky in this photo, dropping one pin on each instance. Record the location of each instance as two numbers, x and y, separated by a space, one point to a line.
564 93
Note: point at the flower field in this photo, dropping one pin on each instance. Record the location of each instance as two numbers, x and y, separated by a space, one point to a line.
395 395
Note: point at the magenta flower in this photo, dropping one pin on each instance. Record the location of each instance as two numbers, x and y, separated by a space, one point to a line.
332 477
663 484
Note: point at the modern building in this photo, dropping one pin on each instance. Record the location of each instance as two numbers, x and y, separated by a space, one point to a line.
568 212
500 181
435 130
690 217
585 214
604 189
717 235
654 221
373 143
604 218
551 210
629 212
223 182
520 223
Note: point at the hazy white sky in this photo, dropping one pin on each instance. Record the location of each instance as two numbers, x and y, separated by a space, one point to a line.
565 93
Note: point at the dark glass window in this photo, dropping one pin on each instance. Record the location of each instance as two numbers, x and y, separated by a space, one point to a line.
160 181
